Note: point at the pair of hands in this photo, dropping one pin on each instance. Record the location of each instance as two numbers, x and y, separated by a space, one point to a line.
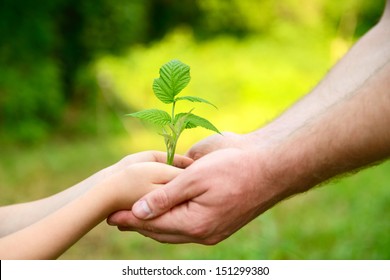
211 199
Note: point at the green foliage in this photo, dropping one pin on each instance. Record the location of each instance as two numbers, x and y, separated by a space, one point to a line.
29 108
45 53
154 116
46 50
243 17
260 78
174 77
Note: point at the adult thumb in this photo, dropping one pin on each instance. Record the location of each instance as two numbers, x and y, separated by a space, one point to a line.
164 198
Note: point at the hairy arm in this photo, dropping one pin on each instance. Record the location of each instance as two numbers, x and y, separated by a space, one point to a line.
362 61
351 134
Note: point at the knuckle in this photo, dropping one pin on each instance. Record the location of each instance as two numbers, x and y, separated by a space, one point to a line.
126 160
160 200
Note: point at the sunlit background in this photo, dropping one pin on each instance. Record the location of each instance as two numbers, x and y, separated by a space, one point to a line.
70 70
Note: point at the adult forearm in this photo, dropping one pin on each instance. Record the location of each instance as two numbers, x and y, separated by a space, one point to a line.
351 134
368 55
342 125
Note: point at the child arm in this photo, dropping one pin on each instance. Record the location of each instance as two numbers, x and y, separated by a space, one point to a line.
18 216
51 236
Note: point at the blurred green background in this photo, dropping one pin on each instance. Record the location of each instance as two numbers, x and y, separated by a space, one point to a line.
70 70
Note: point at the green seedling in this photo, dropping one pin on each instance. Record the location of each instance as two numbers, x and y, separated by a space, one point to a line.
174 77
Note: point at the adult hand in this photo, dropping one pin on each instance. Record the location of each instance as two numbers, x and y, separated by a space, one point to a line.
209 201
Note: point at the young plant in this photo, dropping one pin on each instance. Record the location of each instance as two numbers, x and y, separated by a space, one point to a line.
174 77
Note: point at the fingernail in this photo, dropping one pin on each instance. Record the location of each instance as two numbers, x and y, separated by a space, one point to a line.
111 220
142 210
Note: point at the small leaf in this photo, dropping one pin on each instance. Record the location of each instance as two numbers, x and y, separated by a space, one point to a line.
195 99
153 116
181 122
167 138
174 77
193 121
162 91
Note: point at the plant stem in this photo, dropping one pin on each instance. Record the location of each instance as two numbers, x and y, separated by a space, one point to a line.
171 144
171 153
173 112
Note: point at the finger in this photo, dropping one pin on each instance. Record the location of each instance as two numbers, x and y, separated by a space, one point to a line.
182 161
165 237
158 229
162 237
121 218
199 150
168 238
155 172
126 221
156 156
178 160
206 146
177 221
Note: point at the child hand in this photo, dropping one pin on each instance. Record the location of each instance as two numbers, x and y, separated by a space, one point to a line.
153 156
137 179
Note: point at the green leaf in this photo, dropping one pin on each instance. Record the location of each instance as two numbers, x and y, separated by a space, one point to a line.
181 122
174 77
153 116
193 121
162 91
167 138
195 99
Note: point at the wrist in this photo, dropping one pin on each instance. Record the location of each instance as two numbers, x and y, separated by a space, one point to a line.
121 190
257 176
282 167
110 194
